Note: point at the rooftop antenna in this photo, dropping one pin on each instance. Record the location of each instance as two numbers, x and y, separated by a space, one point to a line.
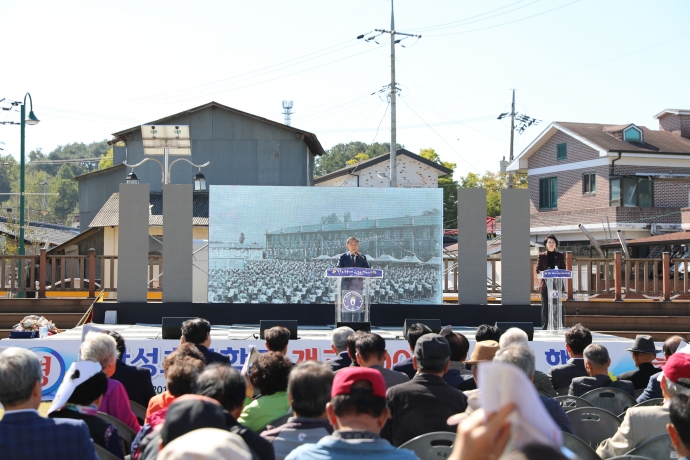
287 111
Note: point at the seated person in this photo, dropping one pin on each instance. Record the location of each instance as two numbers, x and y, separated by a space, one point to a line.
137 381
487 332
339 346
309 390
371 353
516 336
576 340
277 339
269 375
653 389
597 364
679 428
643 352
78 398
457 375
414 332
198 332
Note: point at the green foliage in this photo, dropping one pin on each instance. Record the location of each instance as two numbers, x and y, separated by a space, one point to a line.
493 182
107 161
72 151
449 186
337 156
360 157
66 202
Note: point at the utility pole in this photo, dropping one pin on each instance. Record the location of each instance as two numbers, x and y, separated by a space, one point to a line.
512 135
393 33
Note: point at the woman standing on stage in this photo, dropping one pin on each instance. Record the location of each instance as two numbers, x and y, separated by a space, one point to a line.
546 261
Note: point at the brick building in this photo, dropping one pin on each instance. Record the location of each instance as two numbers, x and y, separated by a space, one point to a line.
608 177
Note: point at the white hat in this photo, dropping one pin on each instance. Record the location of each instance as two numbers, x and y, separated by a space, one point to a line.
78 373
206 444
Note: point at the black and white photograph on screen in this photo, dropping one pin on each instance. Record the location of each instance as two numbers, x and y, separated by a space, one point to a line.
274 244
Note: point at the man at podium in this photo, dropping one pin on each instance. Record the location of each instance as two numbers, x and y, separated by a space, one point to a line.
352 258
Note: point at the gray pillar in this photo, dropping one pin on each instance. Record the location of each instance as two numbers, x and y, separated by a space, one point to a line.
133 243
515 263
472 246
177 242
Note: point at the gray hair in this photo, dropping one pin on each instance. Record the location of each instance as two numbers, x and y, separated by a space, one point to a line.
98 347
20 369
520 355
513 336
680 388
351 239
596 354
339 337
309 386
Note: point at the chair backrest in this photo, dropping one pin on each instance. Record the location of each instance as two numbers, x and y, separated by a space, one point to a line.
543 393
138 410
563 391
593 424
431 446
103 454
127 434
651 402
612 399
629 457
572 402
579 447
658 448
639 392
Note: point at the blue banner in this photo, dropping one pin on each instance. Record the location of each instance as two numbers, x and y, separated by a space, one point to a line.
354 272
557 274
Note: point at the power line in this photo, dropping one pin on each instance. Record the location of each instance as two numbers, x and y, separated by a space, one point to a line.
463 21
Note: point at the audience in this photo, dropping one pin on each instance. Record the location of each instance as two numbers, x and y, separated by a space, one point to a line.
597 364
457 375
371 353
225 385
483 351
358 412
309 390
424 404
679 428
653 389
487 332
269 375
198 332
643 353
414 332
577 338
137 381
523 357
180 370
78 398
206 444
101 348
641 424
277 339
516 336
352 348
339 342
23 432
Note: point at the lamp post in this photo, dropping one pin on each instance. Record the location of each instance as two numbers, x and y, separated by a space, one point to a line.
30 120
199 178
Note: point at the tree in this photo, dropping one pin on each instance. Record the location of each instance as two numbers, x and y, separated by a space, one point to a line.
337 156
448 184
493 182
107 160
360 157
65 203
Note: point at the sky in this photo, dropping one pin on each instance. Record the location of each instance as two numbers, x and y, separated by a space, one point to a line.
95 67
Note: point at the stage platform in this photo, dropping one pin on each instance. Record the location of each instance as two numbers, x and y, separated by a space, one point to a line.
146 349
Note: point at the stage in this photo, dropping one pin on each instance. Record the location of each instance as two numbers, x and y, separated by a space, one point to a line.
146 349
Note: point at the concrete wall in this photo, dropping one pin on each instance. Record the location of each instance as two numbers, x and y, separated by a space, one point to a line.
411 173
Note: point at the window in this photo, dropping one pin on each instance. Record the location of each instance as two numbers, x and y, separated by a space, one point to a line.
630 191
548 192
562 152
589 183
632 134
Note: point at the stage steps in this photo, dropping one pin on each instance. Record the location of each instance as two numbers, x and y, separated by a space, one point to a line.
64 313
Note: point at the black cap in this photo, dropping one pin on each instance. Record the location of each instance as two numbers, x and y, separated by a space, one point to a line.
644 344
431 346
189 413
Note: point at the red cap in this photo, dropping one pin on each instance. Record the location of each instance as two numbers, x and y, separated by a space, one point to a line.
345 378
677 367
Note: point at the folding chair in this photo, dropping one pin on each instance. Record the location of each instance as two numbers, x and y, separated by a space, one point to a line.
563 391
629 457
658 448
638 393
103 454
138 410
127 434
431 446
572 402
612 399
651 402
593 424
579 447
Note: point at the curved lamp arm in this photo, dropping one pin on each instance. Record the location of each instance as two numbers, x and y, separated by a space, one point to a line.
184 159
144 161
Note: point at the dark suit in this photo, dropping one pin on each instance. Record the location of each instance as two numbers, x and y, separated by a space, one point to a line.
640 376
557 413
28 436
581 385
421 406
345 261
137 382
391 378
406 367
543 264
212 356
652 391
343 360
561 376
463 382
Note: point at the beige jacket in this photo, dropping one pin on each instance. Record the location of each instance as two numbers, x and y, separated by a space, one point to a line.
639 425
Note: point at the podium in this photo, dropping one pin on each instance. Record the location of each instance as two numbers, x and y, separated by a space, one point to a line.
554 284
353 292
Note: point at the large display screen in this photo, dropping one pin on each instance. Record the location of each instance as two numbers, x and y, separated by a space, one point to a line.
274 244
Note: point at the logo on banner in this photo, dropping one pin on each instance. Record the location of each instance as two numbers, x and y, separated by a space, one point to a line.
52 367
352 301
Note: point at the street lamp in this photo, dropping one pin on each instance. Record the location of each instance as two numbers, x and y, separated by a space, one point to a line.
199 182
132 177
30 120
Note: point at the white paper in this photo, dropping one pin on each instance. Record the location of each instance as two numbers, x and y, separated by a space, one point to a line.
253 356
503 383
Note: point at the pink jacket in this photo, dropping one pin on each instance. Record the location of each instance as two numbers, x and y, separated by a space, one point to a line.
116 403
